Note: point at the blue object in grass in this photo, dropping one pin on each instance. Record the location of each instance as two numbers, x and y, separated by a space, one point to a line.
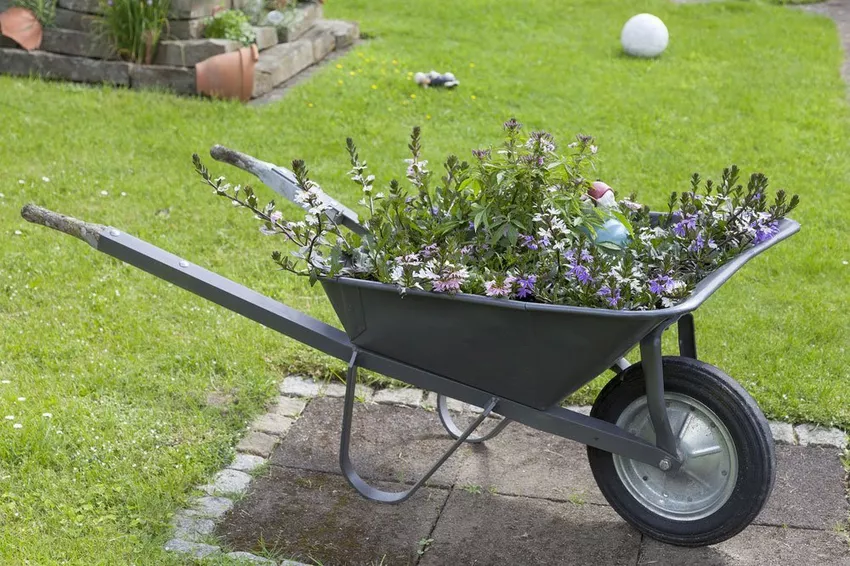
612 231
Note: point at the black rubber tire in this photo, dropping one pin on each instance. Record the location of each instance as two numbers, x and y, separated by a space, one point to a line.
736 410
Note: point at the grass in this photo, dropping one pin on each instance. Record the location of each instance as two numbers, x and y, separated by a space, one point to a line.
125 363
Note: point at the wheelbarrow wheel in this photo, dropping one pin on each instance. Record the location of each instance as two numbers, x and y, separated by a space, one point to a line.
724 439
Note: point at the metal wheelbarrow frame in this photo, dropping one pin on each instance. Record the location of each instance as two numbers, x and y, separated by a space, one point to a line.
372 312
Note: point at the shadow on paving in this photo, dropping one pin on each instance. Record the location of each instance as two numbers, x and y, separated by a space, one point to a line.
524 498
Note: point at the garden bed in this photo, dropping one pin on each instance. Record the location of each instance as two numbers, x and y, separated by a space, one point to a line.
73 51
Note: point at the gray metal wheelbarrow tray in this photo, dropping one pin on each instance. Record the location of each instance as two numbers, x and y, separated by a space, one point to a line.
511 358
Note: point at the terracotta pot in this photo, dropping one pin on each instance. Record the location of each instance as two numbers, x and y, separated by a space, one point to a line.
229 75
21 26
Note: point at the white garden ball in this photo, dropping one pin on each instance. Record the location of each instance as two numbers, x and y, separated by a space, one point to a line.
644 35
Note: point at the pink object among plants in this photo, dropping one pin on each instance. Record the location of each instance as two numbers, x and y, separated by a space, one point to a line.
21 26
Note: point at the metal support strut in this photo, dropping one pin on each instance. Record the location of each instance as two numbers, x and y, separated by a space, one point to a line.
347 467
653 370
687 337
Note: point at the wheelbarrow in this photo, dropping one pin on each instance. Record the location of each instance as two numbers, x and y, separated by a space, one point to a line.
676 446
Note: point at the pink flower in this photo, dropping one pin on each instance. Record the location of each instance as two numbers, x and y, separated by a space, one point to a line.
494 289
276 216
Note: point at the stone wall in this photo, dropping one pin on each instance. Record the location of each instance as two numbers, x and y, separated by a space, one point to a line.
72 51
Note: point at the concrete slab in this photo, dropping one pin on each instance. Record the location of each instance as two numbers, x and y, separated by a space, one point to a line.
389 443
523 461
756 546
809 491
505 530
317 518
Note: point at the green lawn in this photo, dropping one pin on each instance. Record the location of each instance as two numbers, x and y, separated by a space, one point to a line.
124 363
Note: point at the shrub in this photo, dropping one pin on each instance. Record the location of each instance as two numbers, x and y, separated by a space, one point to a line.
44 10
230 24
519 223
134 27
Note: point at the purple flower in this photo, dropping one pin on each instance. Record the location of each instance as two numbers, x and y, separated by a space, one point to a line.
481 154
533 160
660 284
429 251
764 229
699 243
543 140
528 242
467 250
512 125
687 223
525 286
612 297
576 269
449 281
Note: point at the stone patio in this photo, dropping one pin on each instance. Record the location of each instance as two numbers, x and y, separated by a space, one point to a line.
525 497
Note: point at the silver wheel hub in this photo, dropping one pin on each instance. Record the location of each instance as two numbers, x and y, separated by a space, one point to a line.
707 477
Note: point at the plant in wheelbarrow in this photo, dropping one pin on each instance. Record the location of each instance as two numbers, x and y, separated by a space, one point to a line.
508 282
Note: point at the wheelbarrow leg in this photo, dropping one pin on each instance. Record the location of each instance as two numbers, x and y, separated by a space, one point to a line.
455 431
687 337
650 353
351 474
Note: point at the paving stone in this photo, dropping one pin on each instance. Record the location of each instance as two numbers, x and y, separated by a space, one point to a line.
289 407
504 530
527 462
272 424
755 546
65 67
275 66
344 33
783 433
249 558
190 52
87 6
177 79
195 549
70 42
186 29
337 390
814 435
191 528
229 481
298 386
809 489
211 507
247 462
257 443
388 443
68 19
266 37
303 19
317 518
323 42
409 396
188 9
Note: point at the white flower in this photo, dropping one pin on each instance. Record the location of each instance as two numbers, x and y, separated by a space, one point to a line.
9 417
48 415
2 195
593 149
18 232
17 425
311 219
5 382
21 181
22 399
123 194
45 179
104 193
